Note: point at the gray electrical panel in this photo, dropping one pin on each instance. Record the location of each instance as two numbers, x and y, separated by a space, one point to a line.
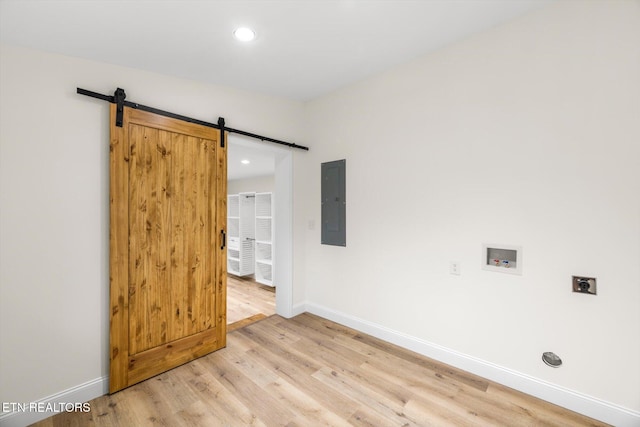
334 203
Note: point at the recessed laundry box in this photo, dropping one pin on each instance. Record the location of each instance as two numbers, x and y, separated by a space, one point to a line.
502 258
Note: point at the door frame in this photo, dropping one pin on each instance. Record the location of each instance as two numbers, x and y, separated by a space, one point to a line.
283 213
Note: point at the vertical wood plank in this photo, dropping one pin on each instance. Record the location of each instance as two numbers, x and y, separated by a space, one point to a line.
191 194
162 231
151 234
220 255
143 243
118 254
201 235
211 238
147 250
178 266
137 211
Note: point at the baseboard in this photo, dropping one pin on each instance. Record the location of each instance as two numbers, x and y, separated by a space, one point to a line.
574 401
298 309
78 394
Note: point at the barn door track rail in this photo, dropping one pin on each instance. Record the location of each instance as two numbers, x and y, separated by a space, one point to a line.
119 96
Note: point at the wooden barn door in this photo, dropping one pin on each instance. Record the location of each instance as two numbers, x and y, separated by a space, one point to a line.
167 256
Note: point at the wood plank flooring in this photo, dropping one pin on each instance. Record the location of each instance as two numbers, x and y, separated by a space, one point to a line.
308 371
246 299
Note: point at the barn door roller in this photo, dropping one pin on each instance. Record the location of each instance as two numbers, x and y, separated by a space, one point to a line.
119 97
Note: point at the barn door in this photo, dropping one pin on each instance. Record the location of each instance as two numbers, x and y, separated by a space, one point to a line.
167 255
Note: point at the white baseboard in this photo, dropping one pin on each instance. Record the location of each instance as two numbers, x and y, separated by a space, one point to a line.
574 401
78 394
298 309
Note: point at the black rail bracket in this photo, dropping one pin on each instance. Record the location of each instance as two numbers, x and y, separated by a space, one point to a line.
221 126
119 97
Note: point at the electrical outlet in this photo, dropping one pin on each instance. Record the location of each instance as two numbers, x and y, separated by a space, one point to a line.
454 268
584 285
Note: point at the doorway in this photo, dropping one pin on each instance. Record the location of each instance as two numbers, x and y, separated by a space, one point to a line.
274 165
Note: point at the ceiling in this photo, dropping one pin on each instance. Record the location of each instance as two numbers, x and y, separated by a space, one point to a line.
262 159
303 49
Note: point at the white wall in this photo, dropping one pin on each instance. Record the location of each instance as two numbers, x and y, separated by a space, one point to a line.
527 134
54 205
258 184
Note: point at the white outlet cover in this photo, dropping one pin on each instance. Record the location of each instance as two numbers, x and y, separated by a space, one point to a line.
454 268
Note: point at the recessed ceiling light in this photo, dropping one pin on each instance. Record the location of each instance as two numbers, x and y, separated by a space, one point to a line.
244 34
245 161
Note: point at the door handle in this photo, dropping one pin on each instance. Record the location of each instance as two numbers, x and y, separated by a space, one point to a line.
223 239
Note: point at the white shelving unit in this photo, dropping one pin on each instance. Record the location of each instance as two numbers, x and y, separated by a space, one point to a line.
241 233
264 238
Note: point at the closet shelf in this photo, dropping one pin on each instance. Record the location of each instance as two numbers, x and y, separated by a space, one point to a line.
241 233
264 239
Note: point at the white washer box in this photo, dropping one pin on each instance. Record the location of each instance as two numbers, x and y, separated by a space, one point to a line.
502 258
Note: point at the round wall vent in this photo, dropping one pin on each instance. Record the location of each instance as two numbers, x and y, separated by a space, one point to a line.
551 359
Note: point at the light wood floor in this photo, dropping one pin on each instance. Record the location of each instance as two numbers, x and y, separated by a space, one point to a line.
308 371
248 301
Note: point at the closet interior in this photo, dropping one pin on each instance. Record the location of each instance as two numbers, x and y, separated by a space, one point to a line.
250 236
